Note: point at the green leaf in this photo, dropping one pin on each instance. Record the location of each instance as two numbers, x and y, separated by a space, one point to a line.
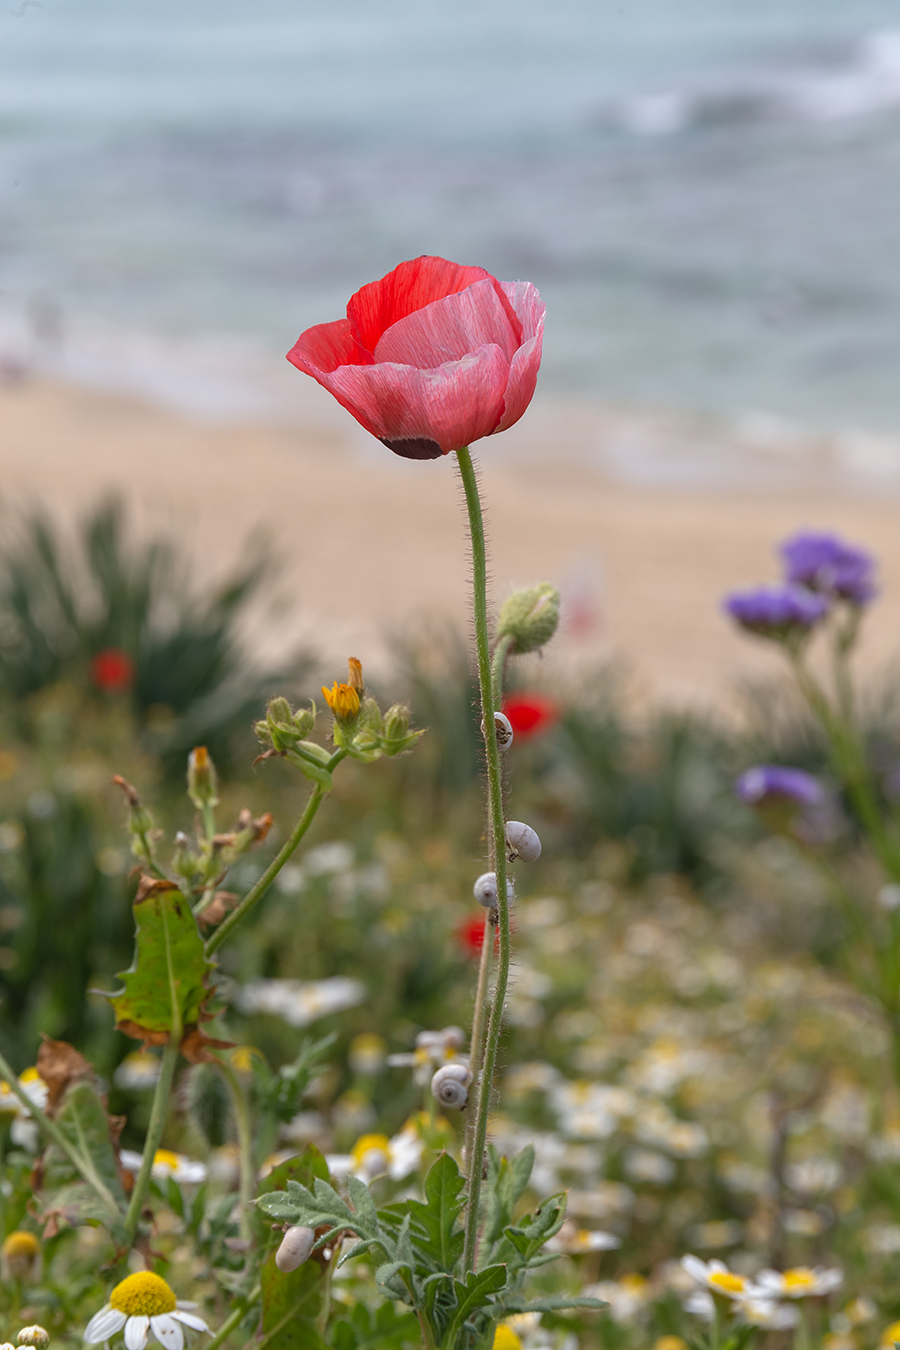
165 986
384 1329
362 1202
303 1170
550 1303
474 1295
436 1232
83 1120
292 1306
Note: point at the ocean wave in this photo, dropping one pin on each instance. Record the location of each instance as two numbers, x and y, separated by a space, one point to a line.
866 82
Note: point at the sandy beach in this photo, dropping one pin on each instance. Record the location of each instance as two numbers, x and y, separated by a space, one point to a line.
371 545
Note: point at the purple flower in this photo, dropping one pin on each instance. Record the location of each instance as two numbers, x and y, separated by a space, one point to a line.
776 611
823 562
771 782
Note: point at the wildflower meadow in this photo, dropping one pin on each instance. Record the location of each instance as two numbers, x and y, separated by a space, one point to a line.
462 1007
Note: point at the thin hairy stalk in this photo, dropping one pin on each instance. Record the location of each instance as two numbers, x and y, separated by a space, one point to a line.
498 665
154 1135
476 1044
79 1160
497 854
234 1321
849 761
245 1145
256 893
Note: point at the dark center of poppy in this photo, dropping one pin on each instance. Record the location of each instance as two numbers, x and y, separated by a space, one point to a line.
415 447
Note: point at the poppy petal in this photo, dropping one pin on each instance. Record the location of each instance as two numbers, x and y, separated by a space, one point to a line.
448 329
410 287
325 347
524 367
451 406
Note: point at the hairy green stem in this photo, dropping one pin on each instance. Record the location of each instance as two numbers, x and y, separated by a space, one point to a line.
498 665
245 1145
476 1044
234 1321
83 1164
497 853
155 1129
256 893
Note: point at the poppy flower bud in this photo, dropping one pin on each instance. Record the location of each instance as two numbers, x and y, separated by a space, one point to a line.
355 678
485 890
449 1086
33 1336
203 785
522 841
295 1248
530 617
503 729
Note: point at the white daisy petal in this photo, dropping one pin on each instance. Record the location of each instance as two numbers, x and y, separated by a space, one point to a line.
167 1331
189 1320
104 1324
136 1333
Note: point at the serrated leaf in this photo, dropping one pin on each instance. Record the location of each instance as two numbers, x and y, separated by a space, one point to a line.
386 1274
299 1172
474 1295
437 1233
363 1203
164 989
83 1119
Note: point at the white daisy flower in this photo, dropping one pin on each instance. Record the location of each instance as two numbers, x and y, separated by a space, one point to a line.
766 1313
575 1241
138 1070
187 1171
140 1304
801 1282
715 1276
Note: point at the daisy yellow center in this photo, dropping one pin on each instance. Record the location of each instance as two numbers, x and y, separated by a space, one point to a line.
368 1143
166 1158
723 1279
29 1075
801 1278
506 1339
21 1243
142 1295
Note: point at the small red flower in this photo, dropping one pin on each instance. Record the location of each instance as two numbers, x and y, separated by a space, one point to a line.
112 670
431 357
471 935
530 714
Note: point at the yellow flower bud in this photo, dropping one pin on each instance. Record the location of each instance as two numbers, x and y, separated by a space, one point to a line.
343 700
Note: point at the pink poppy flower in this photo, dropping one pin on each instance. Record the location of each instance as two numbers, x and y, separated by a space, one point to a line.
431 357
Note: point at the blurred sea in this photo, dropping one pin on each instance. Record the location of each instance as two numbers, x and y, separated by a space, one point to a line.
707 192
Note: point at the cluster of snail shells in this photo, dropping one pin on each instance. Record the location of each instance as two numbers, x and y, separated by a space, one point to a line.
295 1248
450 1086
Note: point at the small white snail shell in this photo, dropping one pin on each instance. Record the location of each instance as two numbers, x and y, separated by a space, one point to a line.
522 841
485 890
449 1086
295 1248
504 730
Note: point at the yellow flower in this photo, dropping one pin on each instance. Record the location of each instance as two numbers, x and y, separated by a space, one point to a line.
506 1339
370 1143
20 1255
890 1335
669 1343
343 700
140 1299
726 1280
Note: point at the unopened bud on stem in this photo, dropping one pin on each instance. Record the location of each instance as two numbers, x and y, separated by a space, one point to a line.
203 785
530 617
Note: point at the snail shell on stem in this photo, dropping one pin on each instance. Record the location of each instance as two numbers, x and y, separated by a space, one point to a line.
485 890
522 841
504 730
449 1086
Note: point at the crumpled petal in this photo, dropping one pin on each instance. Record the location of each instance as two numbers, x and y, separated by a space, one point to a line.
449 407
136 1329
525 364
409 287
448 329
167 1331
104 1324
